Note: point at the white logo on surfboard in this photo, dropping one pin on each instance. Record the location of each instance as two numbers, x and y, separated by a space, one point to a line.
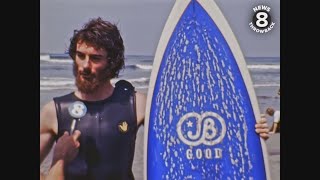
206 130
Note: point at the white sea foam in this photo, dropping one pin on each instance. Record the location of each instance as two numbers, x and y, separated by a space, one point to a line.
267 85
144 67
55 88
263 66
44 57
54 83
47 58
56 78
134 80
68 61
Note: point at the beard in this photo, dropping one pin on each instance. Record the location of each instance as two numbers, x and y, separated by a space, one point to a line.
88 82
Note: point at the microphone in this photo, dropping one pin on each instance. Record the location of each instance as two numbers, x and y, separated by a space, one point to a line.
76 110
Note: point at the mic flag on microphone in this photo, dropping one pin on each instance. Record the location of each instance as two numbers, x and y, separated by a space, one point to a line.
76 110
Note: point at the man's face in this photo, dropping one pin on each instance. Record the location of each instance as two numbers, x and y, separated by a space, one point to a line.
89 67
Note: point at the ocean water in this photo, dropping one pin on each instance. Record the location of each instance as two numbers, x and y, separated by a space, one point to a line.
56 78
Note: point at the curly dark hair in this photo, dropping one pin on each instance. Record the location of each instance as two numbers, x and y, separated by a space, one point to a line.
105 35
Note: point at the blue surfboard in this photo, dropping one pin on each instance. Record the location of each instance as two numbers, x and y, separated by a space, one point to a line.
201 105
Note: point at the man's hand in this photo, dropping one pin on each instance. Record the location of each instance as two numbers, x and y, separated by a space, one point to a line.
262 127
67 147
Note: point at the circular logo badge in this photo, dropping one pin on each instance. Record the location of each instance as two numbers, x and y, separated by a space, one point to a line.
261 20
77 109
209 127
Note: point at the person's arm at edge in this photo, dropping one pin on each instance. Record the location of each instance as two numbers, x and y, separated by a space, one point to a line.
276 120
141 100
271 128
65 151
48 129
56 172
275 126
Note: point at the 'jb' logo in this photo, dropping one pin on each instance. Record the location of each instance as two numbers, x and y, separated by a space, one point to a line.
208 128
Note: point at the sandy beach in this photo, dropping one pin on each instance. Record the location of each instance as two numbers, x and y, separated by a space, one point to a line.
273 146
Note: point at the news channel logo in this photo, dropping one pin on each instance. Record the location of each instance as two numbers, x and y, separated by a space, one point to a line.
261 21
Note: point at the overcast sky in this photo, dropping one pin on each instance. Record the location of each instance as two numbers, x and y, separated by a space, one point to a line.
141 23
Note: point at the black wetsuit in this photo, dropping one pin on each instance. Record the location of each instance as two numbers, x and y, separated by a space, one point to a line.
106 143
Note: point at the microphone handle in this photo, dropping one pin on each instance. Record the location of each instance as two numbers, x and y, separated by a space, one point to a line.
73 125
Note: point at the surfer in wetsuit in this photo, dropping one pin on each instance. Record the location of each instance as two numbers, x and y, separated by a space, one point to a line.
110 116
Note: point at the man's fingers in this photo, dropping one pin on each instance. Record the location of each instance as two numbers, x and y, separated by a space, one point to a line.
64 136
262 120
265 125
262 130
76 134
77 143
265 136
